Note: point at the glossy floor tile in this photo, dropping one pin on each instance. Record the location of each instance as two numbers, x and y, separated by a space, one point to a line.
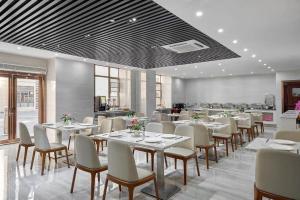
231 178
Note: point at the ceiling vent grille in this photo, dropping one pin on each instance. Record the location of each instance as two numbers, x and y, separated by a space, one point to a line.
187 46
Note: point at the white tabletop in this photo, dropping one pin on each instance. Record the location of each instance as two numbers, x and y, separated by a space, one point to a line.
209 125
62 127
263 143
140 141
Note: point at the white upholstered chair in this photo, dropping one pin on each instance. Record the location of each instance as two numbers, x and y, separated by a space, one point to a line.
25 141
224 134
87 132
288 135
87 160
246 125
277 175
168 127
201 140
236 134
106 127
184 150
118 124
258 120
150 127
43 146
100 118
123 171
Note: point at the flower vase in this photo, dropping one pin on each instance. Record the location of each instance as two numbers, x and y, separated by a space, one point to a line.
67 122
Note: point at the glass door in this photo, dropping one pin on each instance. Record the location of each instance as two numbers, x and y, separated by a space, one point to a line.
4 91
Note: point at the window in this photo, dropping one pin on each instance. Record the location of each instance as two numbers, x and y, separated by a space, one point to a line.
158 91
107 83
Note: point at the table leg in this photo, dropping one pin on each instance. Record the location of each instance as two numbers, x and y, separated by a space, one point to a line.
165 190
58 139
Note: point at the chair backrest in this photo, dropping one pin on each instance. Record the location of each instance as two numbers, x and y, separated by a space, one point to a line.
87 120
185 130
40 137
100 119
225 120
184 117
24 134
119 124
277 172
156 116
86 154
234 128
164 117
288 135
201 135
106 126
168 127
154 127
121 163
247 122
257 117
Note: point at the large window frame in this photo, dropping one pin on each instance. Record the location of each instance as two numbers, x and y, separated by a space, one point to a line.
158 90
110 79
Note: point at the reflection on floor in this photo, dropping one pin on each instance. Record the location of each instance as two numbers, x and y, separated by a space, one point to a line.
232 178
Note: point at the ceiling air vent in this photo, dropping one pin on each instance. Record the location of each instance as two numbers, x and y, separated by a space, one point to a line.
184 47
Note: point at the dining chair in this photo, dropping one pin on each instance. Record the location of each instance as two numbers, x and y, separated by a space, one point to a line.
156 116
118 124
224 134
246 125
277 175
258 120
87 160
254 125
184 150
43 146
25 141
288 135
168 127
236 134
87 132
154 127
100 118
122 170
184 117
201 140
164 117
106 127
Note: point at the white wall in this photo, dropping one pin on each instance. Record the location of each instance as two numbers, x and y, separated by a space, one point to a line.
236 89
178 90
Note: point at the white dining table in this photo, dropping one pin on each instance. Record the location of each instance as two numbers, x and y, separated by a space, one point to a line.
166 190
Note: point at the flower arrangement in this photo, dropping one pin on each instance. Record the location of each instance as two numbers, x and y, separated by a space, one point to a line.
135 125
196 116
66 117
130 113
297 106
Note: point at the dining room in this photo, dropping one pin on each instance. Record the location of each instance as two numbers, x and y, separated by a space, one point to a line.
150 99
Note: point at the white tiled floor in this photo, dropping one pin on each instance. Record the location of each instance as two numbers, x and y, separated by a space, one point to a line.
232 178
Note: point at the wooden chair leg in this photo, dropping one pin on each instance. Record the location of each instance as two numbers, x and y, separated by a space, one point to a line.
97 146
69 142
184 171
98 176
241 139
257 194
249 134
105 188
216 155
55 157
175 163
197 165
43 162
73 180
147 157
25 155
120 188
102 145
206 158
93 176
49 157
226 143
156 188
130 192
231 141
166 162
152 161
19 148
32 160
235 141
67 157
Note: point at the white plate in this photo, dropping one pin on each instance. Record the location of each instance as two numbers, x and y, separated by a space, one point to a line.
168 136
115 135
284 142
153 140
281 147
69 126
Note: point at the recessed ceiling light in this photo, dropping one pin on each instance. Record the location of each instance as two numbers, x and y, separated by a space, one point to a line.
265 64
252 72
132 20
196 67
56 54
58 45
245 49
253 56
220 30
87 35
234 41
219 64
230 74
84 59
259 60
223 70
43 44
199 13
272 70
175 69
112 20
269 67
19 48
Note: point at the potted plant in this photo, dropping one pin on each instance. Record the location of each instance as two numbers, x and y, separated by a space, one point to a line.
135 127
130 114
67 119
196 117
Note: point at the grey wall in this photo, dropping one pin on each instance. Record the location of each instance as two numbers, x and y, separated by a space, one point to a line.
74 88
150 92
178 90
236 89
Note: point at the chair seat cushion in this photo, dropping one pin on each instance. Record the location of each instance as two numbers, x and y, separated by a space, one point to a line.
56 146
179 151
143 173
144 149
242 126
221 135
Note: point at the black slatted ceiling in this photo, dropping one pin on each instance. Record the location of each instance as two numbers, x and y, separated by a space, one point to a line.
83 28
